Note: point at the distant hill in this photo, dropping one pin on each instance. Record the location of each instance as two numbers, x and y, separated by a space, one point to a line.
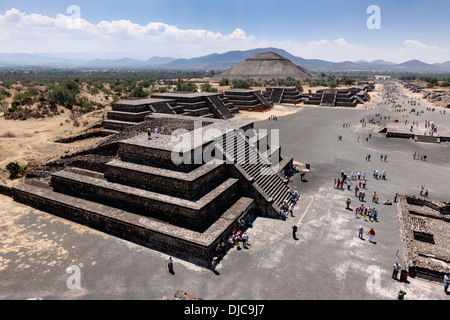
220 62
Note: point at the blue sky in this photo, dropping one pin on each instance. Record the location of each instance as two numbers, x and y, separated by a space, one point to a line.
333 30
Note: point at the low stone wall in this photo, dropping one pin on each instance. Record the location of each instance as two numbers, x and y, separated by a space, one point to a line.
5 190
128 116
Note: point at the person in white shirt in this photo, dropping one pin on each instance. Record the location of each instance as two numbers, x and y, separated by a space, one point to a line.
396 268
446 282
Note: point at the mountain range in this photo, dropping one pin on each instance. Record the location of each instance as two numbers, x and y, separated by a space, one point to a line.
217 62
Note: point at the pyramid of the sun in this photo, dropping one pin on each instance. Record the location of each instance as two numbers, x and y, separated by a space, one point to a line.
265 66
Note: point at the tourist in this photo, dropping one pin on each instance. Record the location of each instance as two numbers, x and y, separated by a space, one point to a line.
214 263
396 197
156 133
396 268
291 210
422 188
401 295
294 232
348 202
446 282
149 134
170 265
245 240
361 232
371 234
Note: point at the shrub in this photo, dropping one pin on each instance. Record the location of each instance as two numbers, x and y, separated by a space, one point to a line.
15 170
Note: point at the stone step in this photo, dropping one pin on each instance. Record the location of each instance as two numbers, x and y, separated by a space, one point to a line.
191 185
182 212
118 125
178 241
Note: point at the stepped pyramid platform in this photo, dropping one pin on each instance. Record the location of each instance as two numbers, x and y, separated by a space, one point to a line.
280 95
201 104
350 97
265 66
128 113
248 100
165 193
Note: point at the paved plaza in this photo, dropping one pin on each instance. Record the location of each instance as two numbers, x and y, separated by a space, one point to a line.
328 261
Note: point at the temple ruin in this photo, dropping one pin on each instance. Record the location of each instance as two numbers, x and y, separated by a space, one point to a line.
265 66
163 194
424 226
195 104
248 100
350 97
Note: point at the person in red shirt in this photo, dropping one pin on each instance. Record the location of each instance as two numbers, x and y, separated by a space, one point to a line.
371 234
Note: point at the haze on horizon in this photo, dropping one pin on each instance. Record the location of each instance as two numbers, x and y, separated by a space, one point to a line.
329 30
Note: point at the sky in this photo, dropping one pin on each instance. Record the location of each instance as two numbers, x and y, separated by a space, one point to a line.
333 30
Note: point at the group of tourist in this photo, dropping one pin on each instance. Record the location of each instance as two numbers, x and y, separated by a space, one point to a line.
347 179
238 235
151 132
417 156
366 212
371 233
287 207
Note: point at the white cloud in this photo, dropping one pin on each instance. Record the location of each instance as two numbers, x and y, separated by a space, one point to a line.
24 32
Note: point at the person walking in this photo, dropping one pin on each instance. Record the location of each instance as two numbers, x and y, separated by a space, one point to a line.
170 265
214 263
361 232
371 234
396 269
348 202
294 232
396 197
245 240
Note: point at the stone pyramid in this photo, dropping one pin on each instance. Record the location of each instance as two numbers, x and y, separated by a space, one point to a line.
265 66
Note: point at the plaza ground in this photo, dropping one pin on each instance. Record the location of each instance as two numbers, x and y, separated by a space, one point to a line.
327 262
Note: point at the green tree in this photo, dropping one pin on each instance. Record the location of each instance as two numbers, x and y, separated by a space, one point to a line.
138 92
224 82
206 87
187 86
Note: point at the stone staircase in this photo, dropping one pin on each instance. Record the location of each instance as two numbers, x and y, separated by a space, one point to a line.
328 98
219 109
256 165
277 95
